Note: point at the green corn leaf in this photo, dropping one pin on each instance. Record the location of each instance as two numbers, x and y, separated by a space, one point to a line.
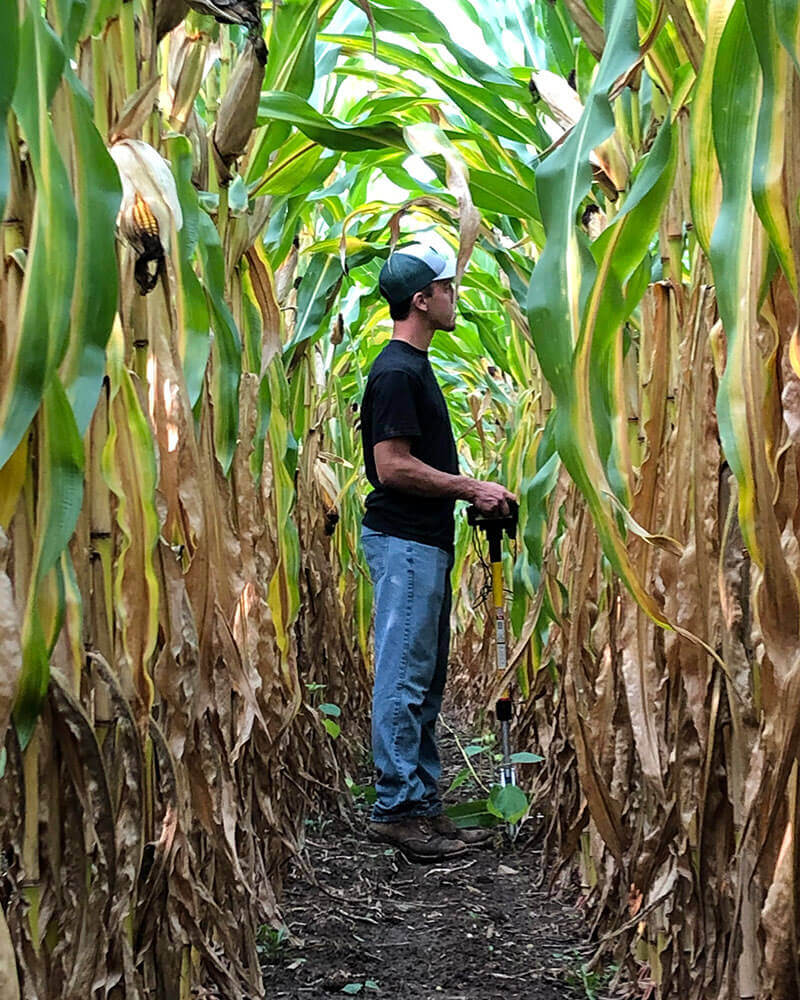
283 594
413 19
535 494
227 346
768 165
566 268
618 252
98 13
559 38
476 101
59 492
130 470
735 118
290 68
787 23
193 318
9 32
495 192
292 165
290 65
94 302
327 131
317 287
50 269
705 169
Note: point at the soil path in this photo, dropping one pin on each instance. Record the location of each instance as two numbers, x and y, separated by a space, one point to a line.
363 920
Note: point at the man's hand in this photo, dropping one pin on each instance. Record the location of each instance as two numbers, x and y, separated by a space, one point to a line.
490 498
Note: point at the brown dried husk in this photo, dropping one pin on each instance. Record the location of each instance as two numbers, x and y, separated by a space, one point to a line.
236 117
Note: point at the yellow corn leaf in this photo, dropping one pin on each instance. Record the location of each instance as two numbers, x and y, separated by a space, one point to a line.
705 184
129 468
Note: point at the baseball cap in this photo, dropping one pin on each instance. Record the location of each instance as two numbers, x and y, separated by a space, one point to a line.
411 268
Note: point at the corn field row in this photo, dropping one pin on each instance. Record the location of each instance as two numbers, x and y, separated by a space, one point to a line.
194 212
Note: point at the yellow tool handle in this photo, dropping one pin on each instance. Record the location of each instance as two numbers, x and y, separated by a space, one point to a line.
499 622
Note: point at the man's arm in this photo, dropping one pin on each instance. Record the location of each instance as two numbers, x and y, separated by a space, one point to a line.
398 469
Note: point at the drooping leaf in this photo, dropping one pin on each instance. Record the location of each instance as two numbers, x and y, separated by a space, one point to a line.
94 302
44 308
59 493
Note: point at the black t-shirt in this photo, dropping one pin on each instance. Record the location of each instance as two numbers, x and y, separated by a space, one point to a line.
403 399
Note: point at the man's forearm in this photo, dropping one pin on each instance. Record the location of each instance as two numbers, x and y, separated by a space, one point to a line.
409 475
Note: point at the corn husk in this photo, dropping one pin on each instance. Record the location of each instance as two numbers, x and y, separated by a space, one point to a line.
149 208
196 133
190 59
135 111
237 112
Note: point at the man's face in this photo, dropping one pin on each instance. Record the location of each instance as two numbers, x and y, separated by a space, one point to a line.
442 305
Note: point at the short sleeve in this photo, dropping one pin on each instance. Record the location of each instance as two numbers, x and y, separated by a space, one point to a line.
394 406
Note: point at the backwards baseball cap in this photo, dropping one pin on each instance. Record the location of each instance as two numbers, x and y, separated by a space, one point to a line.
410 269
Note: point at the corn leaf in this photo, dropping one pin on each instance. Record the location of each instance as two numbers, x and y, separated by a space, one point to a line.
327 131
283 592
193 319
478 102
9 30
735 119
317 288
556 299
50 269
129 469
787 23
290 65
768 166
59 491
226 348
94 302
291 68
618 252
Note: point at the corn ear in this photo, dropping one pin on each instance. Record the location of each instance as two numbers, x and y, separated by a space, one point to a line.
149 209
237 113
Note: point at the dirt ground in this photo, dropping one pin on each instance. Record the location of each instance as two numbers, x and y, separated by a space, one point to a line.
361 919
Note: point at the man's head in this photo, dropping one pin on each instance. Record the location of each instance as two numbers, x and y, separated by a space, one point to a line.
417 281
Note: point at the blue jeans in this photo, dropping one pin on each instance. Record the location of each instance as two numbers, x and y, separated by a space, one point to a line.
412 600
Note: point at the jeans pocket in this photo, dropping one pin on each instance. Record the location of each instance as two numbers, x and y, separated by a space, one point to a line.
374 544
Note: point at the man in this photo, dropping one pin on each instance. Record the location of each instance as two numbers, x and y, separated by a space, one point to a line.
411 461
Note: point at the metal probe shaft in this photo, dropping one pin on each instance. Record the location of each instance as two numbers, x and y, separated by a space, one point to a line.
494 529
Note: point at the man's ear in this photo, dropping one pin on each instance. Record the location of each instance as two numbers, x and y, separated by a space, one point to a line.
418 299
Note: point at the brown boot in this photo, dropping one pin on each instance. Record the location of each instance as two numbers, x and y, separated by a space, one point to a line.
417 838
445 827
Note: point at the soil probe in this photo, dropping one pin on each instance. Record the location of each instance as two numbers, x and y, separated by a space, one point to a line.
494 527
